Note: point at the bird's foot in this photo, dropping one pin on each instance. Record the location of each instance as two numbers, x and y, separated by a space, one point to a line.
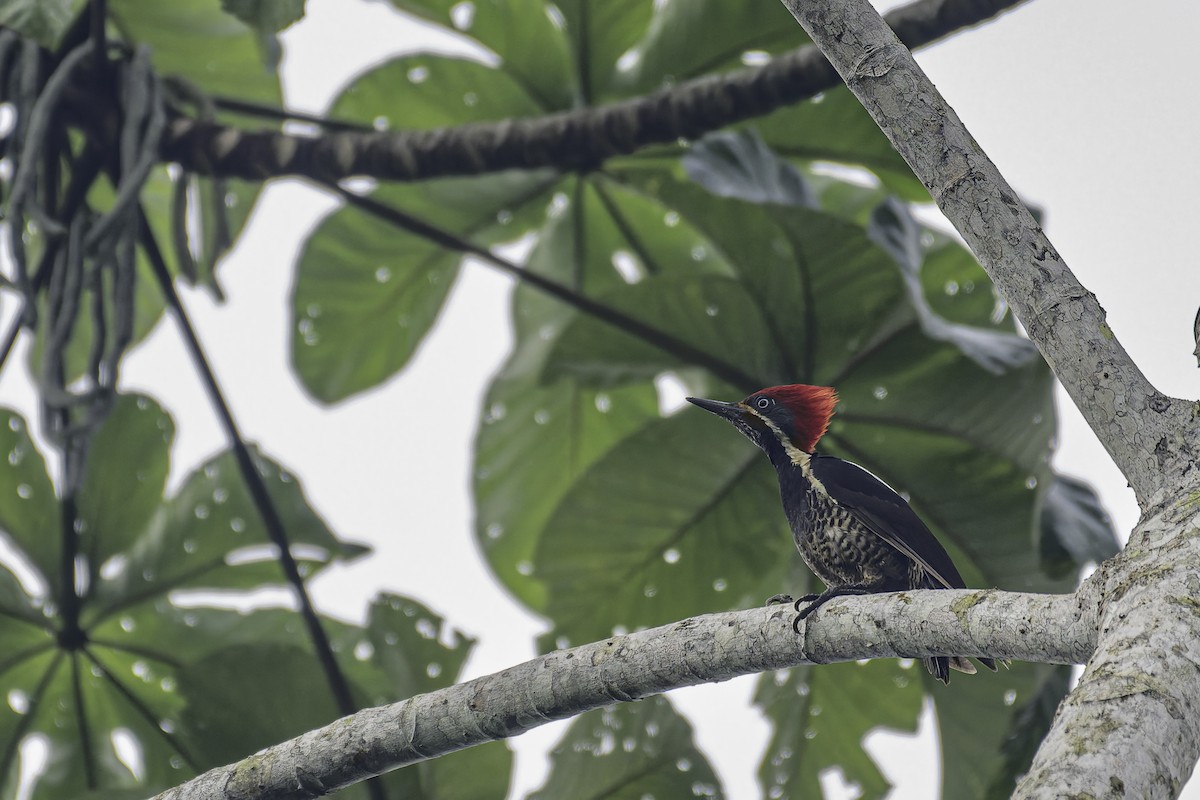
777 599
805 598
815 601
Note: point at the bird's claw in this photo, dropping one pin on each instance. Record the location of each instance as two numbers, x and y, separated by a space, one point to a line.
802 614
778 599
807 598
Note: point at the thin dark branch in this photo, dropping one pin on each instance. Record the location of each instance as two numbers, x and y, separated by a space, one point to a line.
577 139
99 20
17 733
338 685
727 372
81 720
249 471
71 634
250 108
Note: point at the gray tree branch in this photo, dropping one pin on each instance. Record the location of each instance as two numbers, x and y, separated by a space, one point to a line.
579 139
1141 428
1130 728
705 649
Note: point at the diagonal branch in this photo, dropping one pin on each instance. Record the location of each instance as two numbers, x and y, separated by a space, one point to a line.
1063 319
668 343
706 649
257 488
1128 728
577 139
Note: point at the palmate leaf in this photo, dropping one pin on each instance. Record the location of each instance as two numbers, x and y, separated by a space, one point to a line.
691 540
136 548
243 696
535 440
650 529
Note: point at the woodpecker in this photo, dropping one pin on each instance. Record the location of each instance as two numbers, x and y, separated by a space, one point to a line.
852 530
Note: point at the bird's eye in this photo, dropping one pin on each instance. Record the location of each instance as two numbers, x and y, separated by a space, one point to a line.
763 402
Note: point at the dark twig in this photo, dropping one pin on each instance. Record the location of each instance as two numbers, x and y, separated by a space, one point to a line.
577 139
618 319
250 474
265 111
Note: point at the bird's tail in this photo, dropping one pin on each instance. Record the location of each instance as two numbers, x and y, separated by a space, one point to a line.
940 666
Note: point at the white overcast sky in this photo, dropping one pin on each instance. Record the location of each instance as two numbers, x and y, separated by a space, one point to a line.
1087 107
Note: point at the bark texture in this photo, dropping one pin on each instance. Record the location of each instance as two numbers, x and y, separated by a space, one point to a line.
705 649
1140 427
1130 728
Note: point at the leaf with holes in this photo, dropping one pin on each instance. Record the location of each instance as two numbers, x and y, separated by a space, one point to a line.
820 716
630 750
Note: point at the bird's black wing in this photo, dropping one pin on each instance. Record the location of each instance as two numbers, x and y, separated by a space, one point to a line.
886 514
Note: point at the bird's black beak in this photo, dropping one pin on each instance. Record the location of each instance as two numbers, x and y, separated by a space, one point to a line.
730 411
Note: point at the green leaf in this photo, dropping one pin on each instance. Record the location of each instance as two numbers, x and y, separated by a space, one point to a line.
533 444
834 127
125 475
187 35
980 719
29 516
688 535
367 293
483 772
523 469
247 697
739 164
628 752
711 313
44 21
269 16
416 648
1074 529
687 38
1031 720
210 535
433 91
526 35
894 228
600 33
820 716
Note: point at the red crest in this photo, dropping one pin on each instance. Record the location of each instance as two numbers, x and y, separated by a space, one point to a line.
811 407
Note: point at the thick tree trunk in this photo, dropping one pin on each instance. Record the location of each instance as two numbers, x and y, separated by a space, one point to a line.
1131 727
